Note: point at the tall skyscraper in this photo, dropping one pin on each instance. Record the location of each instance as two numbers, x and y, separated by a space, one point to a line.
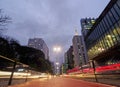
38 43
79 51
86 24
103 41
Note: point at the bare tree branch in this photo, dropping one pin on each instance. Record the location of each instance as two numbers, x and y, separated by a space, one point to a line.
4 20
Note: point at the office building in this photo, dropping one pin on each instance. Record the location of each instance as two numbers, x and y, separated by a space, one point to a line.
86 24
38 43
103 39
70 57
79 51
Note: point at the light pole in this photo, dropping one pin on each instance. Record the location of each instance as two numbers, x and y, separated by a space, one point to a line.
57 49
94 70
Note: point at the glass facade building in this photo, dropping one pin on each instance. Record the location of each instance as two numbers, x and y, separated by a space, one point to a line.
103 39
86 24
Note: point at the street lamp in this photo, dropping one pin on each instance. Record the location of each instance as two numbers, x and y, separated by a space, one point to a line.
57 63
94 70
57 49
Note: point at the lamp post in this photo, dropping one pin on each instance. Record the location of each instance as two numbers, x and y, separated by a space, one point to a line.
94 70
57 49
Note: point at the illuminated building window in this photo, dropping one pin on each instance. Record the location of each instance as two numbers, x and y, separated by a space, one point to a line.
92 21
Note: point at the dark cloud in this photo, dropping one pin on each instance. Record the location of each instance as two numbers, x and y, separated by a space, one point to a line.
52 20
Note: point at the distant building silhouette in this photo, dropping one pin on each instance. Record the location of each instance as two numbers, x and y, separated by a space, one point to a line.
69 58
38 43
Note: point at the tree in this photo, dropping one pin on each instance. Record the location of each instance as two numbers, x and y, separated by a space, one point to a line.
6 47
4 20
5 50
32 57
10 48
35 59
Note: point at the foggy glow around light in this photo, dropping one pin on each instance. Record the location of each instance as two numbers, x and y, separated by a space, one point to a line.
57 67
57 49
57 63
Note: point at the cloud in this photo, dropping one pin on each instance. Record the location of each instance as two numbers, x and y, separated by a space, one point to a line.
52 20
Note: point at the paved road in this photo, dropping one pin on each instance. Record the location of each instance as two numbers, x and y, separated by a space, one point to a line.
60 82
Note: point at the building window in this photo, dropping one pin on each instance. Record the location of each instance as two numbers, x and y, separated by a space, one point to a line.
114 35
116 32
107 21
79 50
82 48
118 27
105 43
103 29
109 40
30 44
78 46
118 3
117 9
110 31
80 54
111 17
114 13
77 40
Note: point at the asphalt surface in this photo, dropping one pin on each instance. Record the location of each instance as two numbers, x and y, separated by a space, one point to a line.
60 82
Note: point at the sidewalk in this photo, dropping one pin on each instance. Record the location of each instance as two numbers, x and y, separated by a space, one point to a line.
108 81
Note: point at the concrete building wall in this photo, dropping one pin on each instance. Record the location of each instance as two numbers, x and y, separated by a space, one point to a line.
80 55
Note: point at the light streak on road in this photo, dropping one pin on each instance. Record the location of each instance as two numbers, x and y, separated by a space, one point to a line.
5 73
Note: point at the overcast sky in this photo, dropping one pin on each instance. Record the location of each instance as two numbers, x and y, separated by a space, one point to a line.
53 20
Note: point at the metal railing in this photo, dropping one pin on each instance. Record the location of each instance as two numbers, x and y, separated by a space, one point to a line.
10 70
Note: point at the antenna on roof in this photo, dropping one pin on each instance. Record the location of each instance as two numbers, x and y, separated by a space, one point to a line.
76 32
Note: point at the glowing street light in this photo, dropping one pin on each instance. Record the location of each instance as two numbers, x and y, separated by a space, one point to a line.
57 63
57 68
57 49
